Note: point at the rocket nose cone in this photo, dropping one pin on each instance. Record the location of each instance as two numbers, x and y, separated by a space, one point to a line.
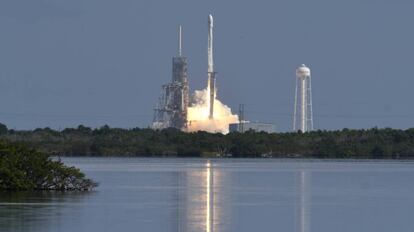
210 19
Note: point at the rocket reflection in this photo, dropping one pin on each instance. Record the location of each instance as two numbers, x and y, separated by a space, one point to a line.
196 200
205 197
209 202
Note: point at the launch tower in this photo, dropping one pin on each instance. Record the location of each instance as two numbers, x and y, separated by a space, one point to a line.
303 115
173 104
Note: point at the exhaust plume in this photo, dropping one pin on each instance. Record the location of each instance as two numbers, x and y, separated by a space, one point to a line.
199 112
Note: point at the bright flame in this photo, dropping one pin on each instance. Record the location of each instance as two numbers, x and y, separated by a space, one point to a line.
199 111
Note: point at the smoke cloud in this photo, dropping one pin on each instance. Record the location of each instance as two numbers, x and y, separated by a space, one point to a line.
198 114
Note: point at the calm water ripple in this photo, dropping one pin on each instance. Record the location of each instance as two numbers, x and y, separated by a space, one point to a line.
223 195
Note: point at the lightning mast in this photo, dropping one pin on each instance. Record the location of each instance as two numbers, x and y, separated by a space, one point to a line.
303 114
210 72
180 53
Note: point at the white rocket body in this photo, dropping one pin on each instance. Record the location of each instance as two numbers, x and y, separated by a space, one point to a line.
210 44
210 69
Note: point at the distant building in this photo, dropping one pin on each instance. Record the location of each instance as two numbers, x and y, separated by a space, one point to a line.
255 126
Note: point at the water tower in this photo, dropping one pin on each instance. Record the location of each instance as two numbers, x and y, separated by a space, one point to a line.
303 115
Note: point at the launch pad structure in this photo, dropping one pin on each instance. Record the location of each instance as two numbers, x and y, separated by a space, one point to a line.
172 110
172 107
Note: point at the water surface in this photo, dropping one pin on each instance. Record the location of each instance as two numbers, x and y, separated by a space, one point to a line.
223 195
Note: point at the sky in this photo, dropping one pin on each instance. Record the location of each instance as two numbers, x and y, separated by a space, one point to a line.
96 62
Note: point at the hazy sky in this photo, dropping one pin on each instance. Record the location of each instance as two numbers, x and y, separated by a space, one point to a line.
96 62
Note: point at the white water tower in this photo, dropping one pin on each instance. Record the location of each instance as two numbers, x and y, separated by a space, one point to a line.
303 115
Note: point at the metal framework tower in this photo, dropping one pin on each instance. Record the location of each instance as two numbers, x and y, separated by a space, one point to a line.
241 118
303 114
180 88
173 103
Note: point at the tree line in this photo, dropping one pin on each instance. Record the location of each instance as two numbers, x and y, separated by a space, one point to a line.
372 143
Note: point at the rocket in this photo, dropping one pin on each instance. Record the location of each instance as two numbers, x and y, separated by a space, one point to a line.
210 71
210 44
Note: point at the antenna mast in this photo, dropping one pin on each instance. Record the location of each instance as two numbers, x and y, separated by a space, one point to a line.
179 42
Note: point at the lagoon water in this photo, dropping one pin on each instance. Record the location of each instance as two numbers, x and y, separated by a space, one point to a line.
222 195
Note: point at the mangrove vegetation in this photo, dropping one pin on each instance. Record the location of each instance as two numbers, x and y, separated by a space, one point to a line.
23 168
105 141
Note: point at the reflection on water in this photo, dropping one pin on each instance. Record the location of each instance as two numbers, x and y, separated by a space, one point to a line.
209 202
197 200
302 204
195 195
210 217
202 200
35 210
